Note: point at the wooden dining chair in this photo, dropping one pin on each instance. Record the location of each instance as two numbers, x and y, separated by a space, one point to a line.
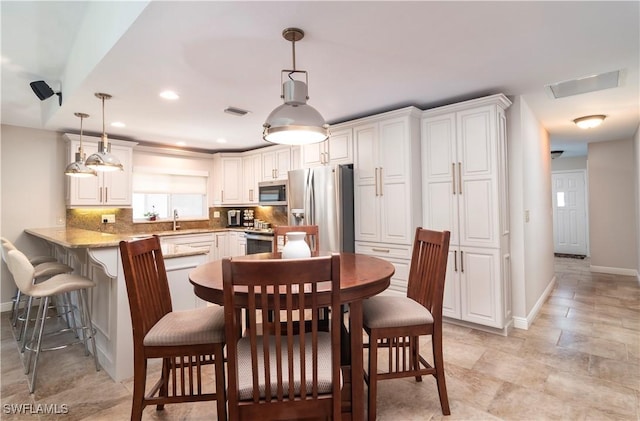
396 323
282 373
185 340
312 238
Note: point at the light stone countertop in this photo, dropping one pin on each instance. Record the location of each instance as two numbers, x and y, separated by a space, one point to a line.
81 238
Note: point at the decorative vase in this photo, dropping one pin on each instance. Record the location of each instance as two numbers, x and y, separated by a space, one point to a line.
296 247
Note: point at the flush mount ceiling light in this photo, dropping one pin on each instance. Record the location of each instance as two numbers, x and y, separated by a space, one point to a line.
295 122
78 167
44 91
103 160
590 121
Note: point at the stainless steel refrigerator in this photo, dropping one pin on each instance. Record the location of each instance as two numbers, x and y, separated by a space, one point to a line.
323 196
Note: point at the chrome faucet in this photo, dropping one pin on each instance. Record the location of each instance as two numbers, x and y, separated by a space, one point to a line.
175 220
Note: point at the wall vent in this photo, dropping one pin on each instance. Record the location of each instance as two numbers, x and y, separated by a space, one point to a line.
584 84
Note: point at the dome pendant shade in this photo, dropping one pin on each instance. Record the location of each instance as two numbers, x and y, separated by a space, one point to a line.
103 160
78 168
295 122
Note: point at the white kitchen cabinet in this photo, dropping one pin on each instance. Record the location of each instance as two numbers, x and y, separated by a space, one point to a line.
107 188
276 163
387 177
251 176
204 241
227 179
220 247
338 149
236 243
464 166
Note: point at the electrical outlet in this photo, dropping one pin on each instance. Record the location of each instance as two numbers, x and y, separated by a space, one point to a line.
109 219
216 214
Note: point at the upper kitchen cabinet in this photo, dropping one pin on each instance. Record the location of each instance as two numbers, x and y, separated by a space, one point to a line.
276 163
387 189
251 176
227 179
108 188
464 176
338 149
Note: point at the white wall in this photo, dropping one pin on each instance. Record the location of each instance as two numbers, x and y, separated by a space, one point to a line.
612 207
530 190
32 164
571 163
636 146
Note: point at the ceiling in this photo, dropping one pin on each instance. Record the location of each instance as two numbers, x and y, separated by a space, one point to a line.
362 58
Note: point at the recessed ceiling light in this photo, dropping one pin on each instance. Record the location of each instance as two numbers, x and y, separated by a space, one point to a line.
590 121
118 124
221 140
169 95
181 143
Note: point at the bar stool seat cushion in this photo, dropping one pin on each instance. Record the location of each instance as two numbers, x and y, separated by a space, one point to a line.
385 311
190 327
59 284
50 269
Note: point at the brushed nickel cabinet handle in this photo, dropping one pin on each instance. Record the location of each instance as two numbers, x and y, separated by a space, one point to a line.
461 261
100 194
381 185
222 195
460 179
455 260
376 180
453 173
106 194
381 250
251 195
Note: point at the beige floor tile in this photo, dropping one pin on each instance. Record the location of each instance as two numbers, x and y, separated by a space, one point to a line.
514 402
596 346
626 373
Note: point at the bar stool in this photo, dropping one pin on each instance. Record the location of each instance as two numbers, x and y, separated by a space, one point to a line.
23 274
45 267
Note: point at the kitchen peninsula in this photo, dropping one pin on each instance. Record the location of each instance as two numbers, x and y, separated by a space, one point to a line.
96 255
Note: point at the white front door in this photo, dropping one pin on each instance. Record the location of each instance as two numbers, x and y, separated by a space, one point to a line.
569 212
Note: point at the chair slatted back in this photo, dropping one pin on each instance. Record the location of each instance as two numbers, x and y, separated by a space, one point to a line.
290 339
312 238
147 284
428 269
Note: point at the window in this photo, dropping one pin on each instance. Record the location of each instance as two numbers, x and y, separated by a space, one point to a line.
163 191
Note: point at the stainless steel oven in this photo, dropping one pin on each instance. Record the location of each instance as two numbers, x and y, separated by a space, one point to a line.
259 242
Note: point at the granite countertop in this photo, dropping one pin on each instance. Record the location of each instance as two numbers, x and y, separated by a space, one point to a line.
81 238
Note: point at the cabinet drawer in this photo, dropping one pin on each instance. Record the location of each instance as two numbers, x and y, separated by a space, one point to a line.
394 251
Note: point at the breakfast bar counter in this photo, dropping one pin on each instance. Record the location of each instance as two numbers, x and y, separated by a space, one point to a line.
96 255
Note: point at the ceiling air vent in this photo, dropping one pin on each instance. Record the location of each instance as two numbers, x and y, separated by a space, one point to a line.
235 111
584 84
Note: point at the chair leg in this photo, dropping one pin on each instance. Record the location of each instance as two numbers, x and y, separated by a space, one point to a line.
168 364
414 343
88 330
44 305
373 375
438 362
221 394
15 308
139 384
25 324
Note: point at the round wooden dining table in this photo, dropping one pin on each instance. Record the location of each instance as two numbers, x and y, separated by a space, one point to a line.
361 276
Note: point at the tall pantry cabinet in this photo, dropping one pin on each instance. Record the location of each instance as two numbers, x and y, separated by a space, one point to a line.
387 193
465 191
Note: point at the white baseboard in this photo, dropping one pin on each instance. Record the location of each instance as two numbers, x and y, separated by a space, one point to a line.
525 322
614 271
6 306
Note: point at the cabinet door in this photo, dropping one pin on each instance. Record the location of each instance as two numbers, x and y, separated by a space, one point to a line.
439 193
366 188
477 167
268 166
480 287
117 184
394 192
221 245
339 149
251 173
313 155
84 191
283 163
231 180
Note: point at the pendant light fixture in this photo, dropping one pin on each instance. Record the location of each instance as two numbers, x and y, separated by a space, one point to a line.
295 122
103 160
78 168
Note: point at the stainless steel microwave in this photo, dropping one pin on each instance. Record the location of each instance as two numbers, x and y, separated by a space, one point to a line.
272 193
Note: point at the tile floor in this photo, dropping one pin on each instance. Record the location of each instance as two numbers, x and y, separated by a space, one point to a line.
579 361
